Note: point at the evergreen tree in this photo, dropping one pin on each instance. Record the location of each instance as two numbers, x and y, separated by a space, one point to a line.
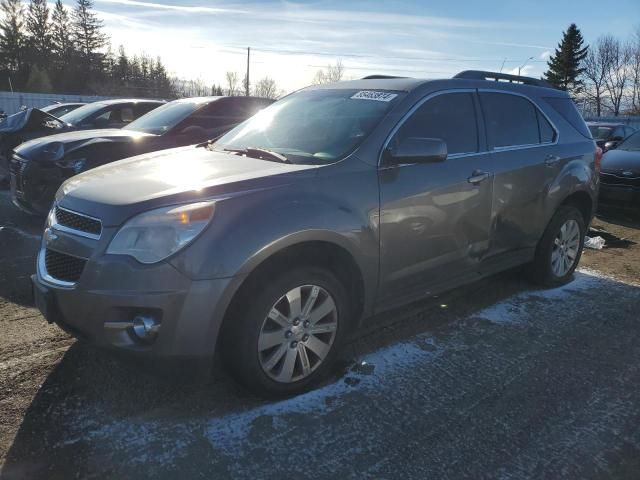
61 41
12 36
565 65
122 67
39 31
88 36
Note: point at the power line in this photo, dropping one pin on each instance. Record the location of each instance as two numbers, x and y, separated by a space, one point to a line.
360 55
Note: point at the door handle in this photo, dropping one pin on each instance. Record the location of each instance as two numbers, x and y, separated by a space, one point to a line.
551 160
477 177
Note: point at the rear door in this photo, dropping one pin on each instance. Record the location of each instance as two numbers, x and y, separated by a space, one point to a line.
523 158
435 217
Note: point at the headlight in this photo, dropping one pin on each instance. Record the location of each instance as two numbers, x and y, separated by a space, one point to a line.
153 236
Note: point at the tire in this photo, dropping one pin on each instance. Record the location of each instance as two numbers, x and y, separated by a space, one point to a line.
252 329
546 268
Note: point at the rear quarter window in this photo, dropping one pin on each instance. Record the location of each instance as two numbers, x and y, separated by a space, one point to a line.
567 109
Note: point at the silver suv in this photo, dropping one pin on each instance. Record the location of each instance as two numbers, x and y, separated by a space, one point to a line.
334 203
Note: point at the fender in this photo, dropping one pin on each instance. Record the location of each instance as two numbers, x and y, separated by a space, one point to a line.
577 175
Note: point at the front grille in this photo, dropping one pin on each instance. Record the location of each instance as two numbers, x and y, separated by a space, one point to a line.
63 267
616 178
16 167
76 221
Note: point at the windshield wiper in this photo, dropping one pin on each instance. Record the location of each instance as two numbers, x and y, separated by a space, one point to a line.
261 153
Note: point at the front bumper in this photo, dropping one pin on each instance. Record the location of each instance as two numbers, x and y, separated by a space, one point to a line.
111 291
33 186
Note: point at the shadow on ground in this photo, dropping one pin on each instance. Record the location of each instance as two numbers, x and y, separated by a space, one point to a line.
491 380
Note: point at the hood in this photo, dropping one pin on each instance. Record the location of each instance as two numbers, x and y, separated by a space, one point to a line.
17 121
621 160
73 140
121 189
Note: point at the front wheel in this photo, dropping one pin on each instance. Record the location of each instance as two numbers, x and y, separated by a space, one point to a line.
560 248
286 335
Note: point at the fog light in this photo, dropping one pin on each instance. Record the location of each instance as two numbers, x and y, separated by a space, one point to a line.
145 328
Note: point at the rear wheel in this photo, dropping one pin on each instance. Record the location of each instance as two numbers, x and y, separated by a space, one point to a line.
560 248
286 335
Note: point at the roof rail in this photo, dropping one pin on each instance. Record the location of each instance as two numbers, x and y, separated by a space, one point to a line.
379 77
505 77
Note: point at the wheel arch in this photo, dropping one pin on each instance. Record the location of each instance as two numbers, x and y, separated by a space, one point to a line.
325 253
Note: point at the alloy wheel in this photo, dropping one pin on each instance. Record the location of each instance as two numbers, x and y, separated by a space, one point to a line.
566 246
298 333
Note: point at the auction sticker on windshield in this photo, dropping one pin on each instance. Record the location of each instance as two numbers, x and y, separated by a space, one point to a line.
373 95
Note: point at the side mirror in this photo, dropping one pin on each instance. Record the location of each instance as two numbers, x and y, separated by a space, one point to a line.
416 150
617 138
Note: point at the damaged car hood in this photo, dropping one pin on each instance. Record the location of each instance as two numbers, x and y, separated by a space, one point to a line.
77 139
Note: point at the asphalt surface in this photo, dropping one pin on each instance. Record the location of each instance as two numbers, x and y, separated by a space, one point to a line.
494 380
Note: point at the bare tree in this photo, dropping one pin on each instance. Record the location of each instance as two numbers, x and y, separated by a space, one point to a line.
266 88
634 66
618 73
232 83
596 66
333 73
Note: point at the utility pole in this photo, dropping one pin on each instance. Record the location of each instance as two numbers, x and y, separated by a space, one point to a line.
523 65
246 87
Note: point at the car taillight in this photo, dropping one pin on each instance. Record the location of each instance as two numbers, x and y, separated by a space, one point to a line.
598 159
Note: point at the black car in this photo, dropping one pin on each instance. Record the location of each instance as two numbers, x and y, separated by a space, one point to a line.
59 109
39 167
620 175
609 135
35 123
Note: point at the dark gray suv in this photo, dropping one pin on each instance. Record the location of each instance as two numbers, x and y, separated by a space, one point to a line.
334 203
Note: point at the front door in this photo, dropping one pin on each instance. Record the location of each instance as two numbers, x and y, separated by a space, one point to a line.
435 217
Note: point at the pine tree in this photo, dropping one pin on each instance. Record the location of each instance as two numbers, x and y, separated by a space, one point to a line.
39 31
12 36
565 65
122 67
61 41
88 36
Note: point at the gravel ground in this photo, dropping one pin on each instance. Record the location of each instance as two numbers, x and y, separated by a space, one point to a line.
496 379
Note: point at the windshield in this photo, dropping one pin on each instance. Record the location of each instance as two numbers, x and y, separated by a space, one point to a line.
82 113
600 133
631 143
164 118
313 126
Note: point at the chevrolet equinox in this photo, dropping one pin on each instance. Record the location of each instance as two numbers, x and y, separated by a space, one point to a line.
339 201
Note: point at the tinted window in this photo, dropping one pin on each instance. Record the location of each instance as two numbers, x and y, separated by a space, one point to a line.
547 133
142 108
510 120
619 132
600 133
565 107
83 113
632 143
165 117
450 117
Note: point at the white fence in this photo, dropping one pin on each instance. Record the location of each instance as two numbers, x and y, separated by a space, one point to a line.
631 121
11 102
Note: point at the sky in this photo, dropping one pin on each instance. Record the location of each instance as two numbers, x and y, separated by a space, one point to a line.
291 40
